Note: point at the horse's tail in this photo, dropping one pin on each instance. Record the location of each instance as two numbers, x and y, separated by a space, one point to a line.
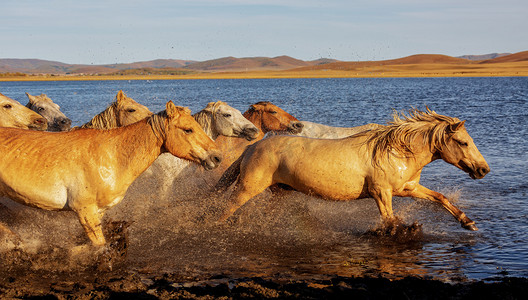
230 175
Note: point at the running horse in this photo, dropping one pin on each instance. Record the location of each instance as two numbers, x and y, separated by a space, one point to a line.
45 107
14 114
267 117
89 171
123 111
380 163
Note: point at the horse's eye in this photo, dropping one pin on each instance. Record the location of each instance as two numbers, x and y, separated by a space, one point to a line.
40 109
227 115
461 143
188 131
273 112
7 106
131 110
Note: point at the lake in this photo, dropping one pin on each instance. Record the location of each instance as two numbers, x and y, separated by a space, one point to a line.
299 236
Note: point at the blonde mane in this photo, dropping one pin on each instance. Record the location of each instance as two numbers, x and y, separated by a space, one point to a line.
398 136
107 119
157 123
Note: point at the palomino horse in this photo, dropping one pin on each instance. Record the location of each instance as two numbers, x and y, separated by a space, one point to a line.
89 171
14 114
216 119
43 105
267 117
380 163
123 111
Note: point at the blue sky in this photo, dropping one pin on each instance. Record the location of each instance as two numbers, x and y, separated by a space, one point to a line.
121 31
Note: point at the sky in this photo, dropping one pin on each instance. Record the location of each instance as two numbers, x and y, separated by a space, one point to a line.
124 31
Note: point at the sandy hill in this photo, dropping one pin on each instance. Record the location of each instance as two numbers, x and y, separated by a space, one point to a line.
516 57
409 60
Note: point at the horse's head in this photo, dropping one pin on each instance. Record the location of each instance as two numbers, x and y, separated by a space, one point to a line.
185 138
14 114
43 105
460 151
270 117
128 111
228 121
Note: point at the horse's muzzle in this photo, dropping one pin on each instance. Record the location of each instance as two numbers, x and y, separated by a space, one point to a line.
250 133
295 127
479 172
212 161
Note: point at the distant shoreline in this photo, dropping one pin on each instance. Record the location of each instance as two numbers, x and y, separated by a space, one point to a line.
381 71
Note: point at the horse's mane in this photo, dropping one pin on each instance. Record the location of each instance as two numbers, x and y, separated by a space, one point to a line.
157 123
398 136
205 116
107 119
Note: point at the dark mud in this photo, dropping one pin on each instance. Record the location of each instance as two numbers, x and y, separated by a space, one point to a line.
132 285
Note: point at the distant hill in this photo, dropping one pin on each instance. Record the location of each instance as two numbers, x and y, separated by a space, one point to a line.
520 56
253 63
233 64
413 59
38 66
484 56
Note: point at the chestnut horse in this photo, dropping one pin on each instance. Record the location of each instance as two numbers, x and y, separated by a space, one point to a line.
268 118
380 163
89 171
123 111
14 114
45 107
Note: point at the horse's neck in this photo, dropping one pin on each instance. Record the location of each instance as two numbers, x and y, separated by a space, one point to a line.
107 119
138 147
206 121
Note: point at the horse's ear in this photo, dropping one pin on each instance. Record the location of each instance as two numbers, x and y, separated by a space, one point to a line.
120 96
455 127
30 97
209 107
170 108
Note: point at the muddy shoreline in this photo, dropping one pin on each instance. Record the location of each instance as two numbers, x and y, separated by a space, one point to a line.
133 285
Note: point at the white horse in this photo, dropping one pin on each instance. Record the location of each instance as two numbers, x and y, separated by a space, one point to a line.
45 107
320 131
216 119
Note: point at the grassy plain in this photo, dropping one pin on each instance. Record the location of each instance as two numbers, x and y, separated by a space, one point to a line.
507 69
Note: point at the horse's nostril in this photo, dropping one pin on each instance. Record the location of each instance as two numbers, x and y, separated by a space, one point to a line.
298 125
217 159
65 121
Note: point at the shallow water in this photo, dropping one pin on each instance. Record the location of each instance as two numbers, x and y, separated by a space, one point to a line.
300 236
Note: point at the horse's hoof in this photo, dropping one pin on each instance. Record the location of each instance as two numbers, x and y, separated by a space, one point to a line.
471 227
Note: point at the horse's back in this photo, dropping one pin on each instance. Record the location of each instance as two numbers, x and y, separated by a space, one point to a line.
332 168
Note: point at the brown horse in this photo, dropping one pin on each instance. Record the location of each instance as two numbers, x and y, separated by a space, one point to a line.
123 111
267 117
380 163
13 114
45 107
89 171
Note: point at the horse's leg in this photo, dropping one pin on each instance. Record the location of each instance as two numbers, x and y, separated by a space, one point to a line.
383 198
243 192
91 222
425 193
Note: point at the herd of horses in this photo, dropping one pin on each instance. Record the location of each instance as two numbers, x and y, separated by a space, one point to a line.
45 163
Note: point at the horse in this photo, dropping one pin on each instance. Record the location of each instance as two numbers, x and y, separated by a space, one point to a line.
216 119
123 111
380 163
267 117
45 107
321 131
14 114
89 171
